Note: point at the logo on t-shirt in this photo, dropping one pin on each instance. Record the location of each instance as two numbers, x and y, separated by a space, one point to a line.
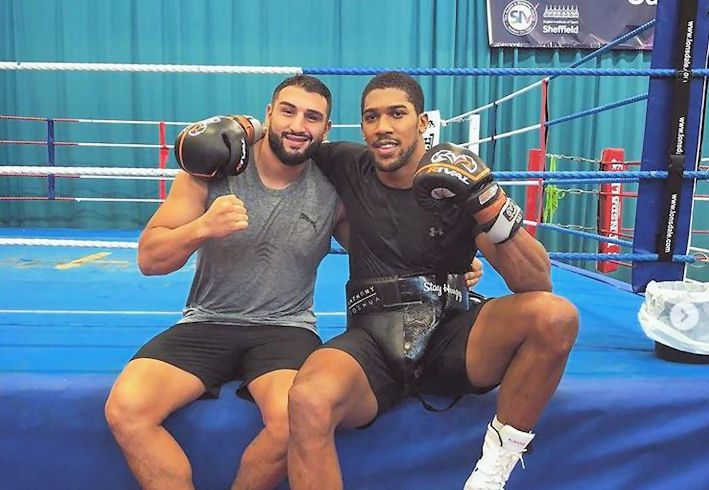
310 220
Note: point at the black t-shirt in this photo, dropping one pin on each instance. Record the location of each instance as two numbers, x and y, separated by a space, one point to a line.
390 234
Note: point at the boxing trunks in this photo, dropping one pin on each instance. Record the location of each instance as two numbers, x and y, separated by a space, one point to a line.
401 314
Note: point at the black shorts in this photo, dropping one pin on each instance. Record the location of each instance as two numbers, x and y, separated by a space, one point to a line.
443 362
218 353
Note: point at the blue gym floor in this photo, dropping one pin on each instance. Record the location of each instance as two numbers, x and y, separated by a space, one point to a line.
71 317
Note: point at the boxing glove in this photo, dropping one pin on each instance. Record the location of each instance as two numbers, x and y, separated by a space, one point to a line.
218 146
450 175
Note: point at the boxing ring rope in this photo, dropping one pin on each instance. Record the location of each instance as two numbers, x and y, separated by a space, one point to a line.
122 173
575 176
8 117
595 54
580 177
563 119
253 69
82 199
266 70
134 245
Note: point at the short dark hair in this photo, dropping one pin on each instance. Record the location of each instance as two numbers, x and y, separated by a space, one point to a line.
307 83
398 80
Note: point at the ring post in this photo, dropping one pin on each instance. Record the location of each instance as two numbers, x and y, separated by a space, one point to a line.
671 143
610 207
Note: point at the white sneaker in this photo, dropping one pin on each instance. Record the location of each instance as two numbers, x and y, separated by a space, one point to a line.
502 449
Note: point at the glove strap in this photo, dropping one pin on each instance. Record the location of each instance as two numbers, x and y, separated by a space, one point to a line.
507 223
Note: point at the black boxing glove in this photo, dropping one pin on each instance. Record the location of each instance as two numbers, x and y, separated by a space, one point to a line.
218 146
450 175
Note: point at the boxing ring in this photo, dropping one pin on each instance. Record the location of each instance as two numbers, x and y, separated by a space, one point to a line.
66 333
74 308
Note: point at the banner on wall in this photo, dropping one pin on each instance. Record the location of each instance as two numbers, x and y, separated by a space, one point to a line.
568 23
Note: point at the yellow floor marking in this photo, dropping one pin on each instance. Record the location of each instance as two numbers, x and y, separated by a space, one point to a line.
82 261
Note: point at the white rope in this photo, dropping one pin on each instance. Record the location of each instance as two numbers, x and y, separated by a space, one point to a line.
466 115
102 171
526 183
85 143
114 145
139 173
572 158
124 177
127 312
46 242
7 117
503 135
120 121
149 68
112 177
701 198
114 199
128 121
90 312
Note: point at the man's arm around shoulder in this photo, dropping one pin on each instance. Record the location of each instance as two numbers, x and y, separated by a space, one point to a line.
342 227
336 153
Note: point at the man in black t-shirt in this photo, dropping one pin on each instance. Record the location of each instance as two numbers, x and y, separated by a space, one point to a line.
417 219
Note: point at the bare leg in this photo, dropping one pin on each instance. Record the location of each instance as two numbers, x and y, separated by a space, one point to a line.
330 390
522 341
146 392
263 464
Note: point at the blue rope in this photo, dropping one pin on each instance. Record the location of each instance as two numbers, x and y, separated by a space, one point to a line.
585 234
604 176
596 110
611 45
484 72
594 256
689 259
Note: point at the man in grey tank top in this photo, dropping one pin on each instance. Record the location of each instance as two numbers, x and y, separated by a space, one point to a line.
259 237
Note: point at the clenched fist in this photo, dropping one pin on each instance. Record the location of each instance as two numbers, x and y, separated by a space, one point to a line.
226 215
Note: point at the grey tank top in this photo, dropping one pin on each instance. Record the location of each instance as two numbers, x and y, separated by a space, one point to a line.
265 274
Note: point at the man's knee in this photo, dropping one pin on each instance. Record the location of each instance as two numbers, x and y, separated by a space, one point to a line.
127 414
310 409
276 426
556 323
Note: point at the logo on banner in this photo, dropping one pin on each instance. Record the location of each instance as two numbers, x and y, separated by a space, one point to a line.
561 12
519 17
561 19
